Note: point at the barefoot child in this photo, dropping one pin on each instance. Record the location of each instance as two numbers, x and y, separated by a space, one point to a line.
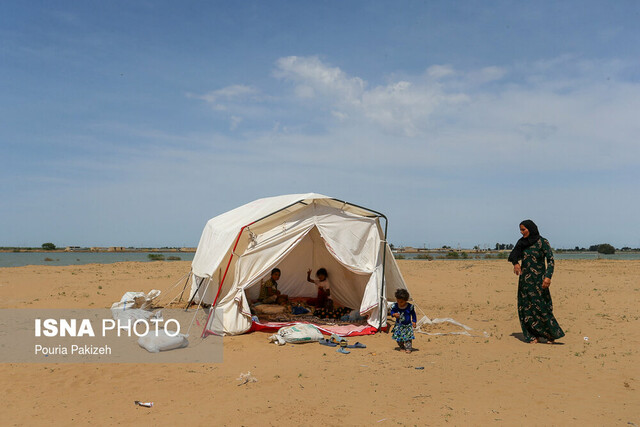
405 316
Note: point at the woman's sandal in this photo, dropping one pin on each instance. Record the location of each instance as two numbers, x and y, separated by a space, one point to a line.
357 345
534 341
343 347
324 341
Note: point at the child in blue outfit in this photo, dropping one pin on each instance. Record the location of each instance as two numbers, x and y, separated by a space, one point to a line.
405 316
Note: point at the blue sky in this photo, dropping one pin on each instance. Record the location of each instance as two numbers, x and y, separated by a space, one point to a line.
133 124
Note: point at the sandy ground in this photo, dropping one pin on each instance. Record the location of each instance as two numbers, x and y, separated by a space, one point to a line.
465 381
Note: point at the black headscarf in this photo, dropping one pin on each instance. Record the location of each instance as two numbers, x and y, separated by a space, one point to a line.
524 242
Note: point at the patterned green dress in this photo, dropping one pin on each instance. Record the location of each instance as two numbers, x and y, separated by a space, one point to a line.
535 308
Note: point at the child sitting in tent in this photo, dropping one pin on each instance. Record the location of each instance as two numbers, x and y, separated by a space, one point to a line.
269 293
323 299
326 307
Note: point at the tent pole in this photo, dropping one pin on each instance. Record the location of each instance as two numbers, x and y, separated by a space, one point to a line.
194 295
384 262
185 286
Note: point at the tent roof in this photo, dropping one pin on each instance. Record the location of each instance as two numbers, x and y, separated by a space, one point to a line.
221 231
258 209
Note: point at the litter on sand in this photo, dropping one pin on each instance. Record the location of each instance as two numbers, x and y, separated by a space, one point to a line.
145 404
246 378
426 321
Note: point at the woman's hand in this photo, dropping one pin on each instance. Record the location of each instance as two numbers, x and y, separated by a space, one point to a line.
546 283
413 324
396 315
308 272
517 270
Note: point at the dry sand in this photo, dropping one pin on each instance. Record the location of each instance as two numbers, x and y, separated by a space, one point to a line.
465 381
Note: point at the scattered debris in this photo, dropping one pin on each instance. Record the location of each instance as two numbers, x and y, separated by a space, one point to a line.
145 404
246 378
419 367
586 338
425 321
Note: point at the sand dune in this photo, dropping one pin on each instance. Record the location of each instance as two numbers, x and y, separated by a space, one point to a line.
465 381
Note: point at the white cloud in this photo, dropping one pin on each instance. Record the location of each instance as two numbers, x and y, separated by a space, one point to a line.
440 71
220 97
400 107
311 73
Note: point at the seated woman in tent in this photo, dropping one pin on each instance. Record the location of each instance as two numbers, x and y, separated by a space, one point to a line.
269 293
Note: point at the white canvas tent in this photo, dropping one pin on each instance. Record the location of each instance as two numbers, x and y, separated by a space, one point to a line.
294 232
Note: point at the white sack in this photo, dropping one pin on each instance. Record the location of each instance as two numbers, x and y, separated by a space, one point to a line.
162 342
136 300
297 334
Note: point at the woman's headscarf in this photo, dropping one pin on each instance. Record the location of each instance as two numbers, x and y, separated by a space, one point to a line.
524 242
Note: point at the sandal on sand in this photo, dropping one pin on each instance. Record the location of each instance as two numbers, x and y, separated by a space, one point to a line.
343 351
357 345
326 342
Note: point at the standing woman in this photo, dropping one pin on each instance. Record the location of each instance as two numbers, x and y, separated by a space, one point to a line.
535 308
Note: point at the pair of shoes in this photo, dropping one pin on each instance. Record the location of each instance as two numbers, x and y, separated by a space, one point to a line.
324 341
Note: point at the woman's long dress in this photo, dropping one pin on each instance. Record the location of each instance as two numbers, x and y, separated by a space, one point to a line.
535 308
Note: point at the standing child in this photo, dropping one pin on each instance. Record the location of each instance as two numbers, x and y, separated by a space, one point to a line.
405 316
